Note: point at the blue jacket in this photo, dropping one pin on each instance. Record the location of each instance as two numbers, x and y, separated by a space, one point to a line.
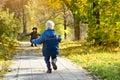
50 42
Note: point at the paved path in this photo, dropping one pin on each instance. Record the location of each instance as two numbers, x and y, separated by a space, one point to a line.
29 65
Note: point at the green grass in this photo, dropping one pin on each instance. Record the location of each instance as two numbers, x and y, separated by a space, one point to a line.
100 61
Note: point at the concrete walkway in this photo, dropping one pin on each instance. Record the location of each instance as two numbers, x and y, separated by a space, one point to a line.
30 65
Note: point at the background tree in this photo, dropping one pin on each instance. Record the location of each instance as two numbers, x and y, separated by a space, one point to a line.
39 11
17 6
102 17
77 8
107 32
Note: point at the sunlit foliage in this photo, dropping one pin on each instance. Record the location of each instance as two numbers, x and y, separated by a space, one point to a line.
7 33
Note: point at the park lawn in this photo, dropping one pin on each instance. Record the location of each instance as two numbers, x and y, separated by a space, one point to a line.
104 64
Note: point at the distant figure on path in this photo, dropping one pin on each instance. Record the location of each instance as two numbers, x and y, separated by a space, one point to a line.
50 47
34 35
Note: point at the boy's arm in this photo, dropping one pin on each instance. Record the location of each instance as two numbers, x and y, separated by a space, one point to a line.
38 40
38 34
59 38
28 34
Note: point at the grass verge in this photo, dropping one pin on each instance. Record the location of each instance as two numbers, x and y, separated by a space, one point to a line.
100 61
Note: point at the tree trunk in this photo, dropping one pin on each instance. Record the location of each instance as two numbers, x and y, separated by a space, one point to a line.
65 24
24 22
76 28
96 13
65 27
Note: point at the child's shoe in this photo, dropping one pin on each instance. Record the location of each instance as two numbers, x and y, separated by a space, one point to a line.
54 65
35 45
49 71
31 45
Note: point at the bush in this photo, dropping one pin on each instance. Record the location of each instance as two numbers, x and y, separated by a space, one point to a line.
7 39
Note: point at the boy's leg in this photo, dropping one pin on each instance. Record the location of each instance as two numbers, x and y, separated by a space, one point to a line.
54 60
35 45
47 61
31 43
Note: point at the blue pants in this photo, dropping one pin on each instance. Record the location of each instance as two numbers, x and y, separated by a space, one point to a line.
47 60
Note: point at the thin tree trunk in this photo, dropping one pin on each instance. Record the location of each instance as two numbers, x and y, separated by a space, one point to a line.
65 24
65 27
76 28
24 22
96 14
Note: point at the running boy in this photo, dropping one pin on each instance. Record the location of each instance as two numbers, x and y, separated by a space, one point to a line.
50 48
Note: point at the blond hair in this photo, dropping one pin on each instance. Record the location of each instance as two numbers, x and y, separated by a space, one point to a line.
50 24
